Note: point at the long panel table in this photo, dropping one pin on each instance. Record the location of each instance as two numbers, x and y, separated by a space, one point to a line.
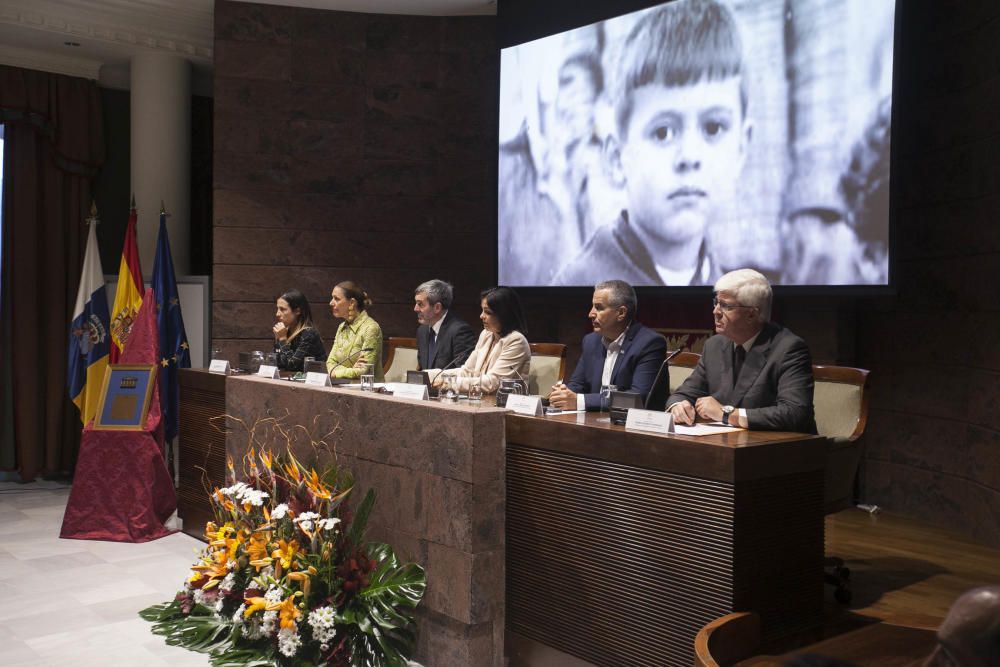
609 545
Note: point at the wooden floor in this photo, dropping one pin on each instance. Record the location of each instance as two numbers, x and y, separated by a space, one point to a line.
905 576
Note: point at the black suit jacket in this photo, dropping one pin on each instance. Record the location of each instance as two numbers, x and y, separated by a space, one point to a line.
635 368
775 385
456 339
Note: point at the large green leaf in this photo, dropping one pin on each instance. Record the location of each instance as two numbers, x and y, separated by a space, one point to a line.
360 520
382 614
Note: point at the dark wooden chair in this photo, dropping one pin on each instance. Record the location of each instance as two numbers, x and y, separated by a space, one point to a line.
727 640
400 356
681 367
548 366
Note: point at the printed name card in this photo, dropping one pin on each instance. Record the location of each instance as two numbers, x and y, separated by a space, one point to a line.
317 379
219 366
414 392
525 405
268 372
653 421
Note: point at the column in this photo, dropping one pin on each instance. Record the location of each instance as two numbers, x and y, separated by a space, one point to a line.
161 154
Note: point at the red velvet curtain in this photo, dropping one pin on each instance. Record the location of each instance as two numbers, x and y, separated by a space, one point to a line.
53 146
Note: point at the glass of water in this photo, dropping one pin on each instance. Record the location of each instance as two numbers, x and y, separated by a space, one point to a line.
368 378
475 388
606 390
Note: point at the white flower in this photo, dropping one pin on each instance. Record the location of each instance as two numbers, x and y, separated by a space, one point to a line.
199 596
279 511
254 497
270 620
218 605
238 616
230 581
305 520
322 621
327 524
288 642
273 594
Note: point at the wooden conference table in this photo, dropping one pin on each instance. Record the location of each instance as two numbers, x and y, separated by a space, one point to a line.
610 545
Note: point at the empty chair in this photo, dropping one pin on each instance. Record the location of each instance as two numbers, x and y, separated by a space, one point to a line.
400 356
548 366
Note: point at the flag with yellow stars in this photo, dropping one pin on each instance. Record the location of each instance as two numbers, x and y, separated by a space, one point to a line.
174 350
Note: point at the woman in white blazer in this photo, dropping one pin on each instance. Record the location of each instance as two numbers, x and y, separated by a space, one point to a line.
502 351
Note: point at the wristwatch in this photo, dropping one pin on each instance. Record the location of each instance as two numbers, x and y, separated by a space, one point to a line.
726 411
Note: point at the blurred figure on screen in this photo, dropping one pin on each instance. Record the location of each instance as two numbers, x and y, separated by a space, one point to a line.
680 141
846 243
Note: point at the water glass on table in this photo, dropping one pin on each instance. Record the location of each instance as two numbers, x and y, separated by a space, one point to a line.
368 377
606 390
475 388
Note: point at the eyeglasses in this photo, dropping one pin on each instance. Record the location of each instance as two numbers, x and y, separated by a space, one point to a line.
726 307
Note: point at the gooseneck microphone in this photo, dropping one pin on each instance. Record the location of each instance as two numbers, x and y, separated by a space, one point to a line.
447 366
671 355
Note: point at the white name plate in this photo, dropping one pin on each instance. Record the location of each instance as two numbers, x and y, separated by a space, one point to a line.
413 392
268 372
649 420
318 379
525 405
219 366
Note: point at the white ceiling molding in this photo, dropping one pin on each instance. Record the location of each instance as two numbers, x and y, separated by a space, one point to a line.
77 37
49 62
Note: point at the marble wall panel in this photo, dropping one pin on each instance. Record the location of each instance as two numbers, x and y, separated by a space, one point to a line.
252 22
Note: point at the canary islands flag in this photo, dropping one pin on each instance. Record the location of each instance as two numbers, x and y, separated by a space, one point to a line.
89 336
128 296
174 349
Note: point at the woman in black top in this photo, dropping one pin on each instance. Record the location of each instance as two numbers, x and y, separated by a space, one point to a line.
295 337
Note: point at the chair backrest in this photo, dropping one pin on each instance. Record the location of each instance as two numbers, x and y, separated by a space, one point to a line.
841 405
681 367
548 365
727 640
400 356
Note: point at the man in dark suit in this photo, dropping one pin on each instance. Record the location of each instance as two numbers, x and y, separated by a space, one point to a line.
753 374
443 340
619 352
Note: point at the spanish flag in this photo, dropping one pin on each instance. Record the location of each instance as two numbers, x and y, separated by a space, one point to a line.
89 340
128 296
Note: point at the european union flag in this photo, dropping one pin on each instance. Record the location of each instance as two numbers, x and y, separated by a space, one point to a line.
174 349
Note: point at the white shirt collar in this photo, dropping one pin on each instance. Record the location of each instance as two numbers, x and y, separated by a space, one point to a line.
436 327
749 343
616 344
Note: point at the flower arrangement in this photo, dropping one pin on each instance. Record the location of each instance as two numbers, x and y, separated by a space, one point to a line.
287 578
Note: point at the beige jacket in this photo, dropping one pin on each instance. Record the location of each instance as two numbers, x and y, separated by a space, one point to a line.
495 359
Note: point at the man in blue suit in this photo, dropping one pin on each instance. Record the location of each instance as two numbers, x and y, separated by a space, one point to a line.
619 352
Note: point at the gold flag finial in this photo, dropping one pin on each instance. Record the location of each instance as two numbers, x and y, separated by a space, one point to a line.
163 209
94 218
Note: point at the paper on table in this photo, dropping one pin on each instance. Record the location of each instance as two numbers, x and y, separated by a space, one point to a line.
704 429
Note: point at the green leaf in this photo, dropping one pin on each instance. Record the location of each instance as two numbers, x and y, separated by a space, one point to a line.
357 531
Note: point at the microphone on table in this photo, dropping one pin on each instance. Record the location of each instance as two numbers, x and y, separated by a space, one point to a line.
447 366
671 355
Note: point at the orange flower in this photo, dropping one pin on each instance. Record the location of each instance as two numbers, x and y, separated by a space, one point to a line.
288 612
257 550
285 553
254 605
317 487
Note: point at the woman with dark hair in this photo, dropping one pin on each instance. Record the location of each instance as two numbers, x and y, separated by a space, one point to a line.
502 351
359 337
295 337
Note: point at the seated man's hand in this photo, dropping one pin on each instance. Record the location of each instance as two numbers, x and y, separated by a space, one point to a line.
438 382
683 412
709 408
562 397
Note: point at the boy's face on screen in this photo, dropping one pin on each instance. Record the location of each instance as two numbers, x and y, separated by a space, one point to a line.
681 156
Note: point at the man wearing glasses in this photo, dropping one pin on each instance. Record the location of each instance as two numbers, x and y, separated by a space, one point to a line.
753 374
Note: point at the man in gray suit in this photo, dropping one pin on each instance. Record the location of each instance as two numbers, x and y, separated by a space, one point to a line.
753 374
443 340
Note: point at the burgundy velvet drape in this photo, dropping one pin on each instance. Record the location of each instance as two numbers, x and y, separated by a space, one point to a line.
53 146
